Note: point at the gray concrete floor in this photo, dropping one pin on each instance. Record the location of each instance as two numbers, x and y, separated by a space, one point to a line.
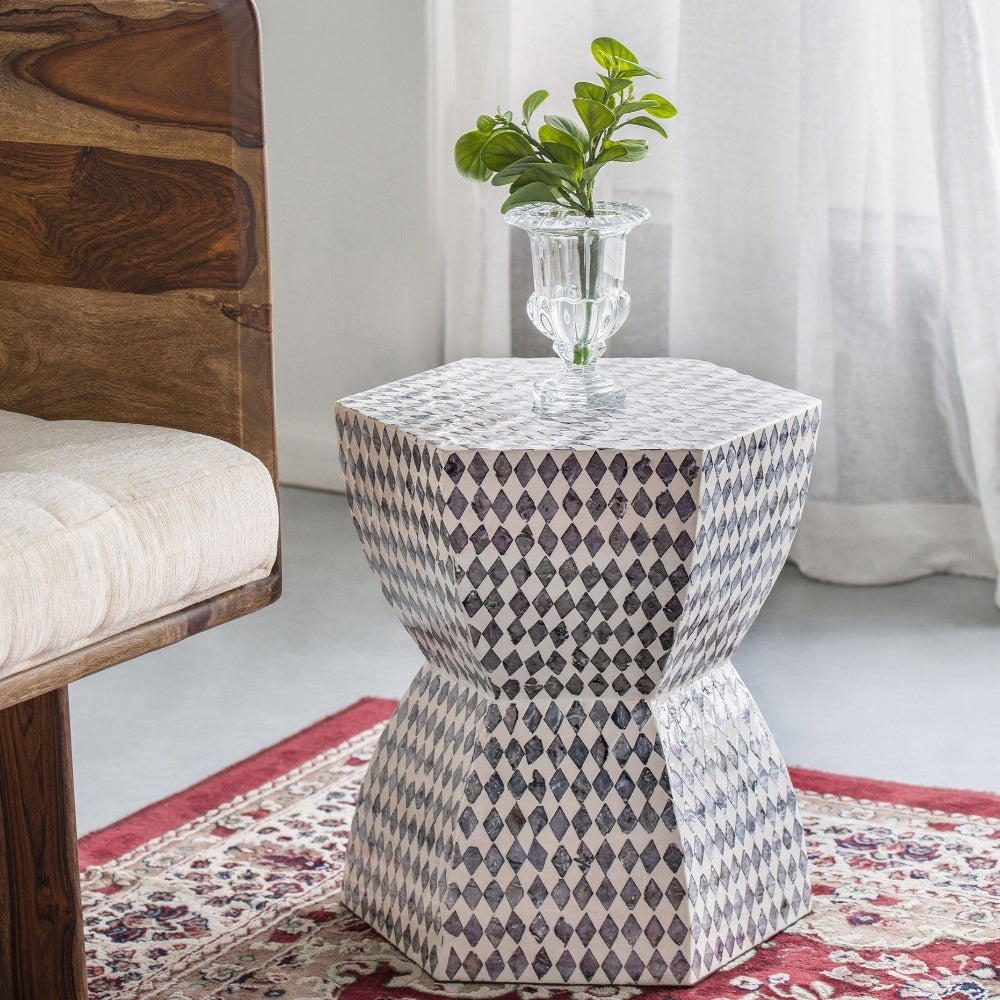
899 682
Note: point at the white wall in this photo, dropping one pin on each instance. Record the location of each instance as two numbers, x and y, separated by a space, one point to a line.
355 269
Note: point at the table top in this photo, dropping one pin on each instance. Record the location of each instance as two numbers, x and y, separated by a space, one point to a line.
670 403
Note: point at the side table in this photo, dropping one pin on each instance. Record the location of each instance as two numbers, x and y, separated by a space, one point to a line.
577 787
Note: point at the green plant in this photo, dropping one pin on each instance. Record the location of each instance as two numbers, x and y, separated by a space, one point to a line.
561 162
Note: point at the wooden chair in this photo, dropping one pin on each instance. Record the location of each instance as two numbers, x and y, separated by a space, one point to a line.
134 288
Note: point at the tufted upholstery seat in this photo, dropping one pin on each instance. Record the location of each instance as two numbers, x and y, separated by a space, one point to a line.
104 526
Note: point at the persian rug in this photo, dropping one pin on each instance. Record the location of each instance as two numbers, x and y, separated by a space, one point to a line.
230 889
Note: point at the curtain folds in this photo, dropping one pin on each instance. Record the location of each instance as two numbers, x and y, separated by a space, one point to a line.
470 73
826 215
963 112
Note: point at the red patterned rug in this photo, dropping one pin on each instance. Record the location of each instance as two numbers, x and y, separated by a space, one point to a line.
230 889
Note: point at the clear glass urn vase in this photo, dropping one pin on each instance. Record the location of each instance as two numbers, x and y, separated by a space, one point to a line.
579 300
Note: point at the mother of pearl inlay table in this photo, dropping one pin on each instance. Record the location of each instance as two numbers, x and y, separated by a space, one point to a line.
578 786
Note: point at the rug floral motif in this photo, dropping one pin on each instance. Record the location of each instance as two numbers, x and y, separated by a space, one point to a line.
242 902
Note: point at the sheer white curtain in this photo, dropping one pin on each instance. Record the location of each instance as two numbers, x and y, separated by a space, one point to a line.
470 53
826 215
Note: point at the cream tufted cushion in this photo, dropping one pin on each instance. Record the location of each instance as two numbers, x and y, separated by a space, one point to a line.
105 526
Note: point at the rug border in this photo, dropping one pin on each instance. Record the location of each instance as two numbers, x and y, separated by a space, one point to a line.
945 800
124 835
155 820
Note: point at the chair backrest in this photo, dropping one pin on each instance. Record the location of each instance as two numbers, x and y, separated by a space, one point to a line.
134 279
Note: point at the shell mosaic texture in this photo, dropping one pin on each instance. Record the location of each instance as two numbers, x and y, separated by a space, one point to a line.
577 787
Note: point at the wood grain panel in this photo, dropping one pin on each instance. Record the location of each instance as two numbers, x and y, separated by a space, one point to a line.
97 218
177 214
134 280
196 67
41 925
176 361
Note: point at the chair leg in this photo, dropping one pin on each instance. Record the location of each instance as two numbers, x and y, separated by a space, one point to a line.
41 923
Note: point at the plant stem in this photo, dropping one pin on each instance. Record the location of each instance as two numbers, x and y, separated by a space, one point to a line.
589 272
581 202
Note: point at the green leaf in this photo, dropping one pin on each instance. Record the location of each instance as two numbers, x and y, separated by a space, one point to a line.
613 85
594 115
549 134
569 128
556 171
589 92
531 103
660 106
633 69
484 123
468 156
530 193
520 181
552 174
645 122
502 149
609 52
638 149
514 171
630 107
561 151
612 151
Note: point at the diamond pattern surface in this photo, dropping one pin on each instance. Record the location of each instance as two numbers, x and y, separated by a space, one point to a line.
577 787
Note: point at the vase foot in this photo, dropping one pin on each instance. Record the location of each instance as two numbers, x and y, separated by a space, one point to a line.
577 388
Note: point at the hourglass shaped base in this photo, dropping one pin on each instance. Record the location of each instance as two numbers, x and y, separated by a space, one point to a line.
577 389
578 787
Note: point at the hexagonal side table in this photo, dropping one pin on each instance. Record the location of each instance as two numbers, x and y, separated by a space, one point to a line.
577 787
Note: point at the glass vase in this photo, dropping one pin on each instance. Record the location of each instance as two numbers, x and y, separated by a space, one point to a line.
579 300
